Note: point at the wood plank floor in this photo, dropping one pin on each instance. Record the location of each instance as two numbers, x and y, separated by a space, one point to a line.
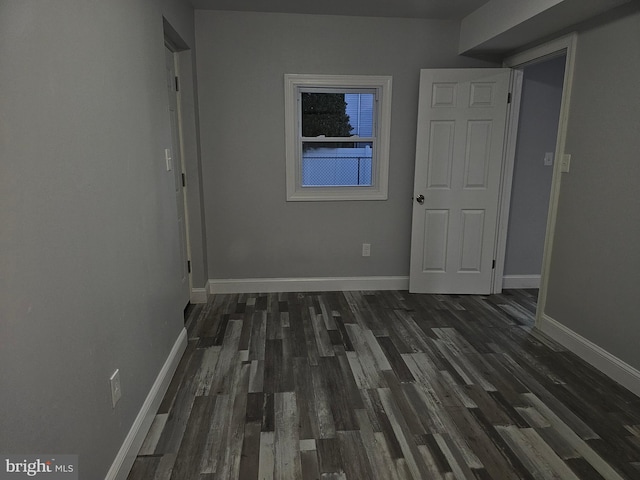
385 385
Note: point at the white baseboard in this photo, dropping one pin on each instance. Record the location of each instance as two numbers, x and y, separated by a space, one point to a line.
199 295
609 364
321 284
123 462
521 281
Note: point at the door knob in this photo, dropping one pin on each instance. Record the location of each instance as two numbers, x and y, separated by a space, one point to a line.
420 199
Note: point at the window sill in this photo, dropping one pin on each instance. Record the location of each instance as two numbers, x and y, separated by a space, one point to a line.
328 194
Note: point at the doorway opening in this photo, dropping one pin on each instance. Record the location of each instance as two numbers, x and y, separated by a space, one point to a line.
563 48
540 100
174 154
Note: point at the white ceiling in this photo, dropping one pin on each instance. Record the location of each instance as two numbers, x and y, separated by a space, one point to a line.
440 9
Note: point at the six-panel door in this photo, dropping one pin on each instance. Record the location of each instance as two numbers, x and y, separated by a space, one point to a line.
459 150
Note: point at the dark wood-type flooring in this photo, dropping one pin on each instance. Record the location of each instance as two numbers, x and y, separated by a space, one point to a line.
385 385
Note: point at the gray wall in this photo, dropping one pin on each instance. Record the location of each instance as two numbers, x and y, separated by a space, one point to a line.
537 132
88 243
242 58
595 269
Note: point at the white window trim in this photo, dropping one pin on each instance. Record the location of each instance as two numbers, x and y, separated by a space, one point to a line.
380 173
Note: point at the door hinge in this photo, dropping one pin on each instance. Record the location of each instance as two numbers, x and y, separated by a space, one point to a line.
184 180
177 85
189 265
493 265
509 97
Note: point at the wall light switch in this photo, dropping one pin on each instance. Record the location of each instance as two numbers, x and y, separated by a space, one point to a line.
167 158
566 161
116 389
548 159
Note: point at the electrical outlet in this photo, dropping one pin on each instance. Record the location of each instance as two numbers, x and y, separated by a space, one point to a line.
116 390
366 249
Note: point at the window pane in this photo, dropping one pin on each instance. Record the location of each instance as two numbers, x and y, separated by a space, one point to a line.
360 112
337 114
325 114
341 164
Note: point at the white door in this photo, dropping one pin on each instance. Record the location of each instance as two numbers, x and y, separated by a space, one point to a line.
459 151
176 166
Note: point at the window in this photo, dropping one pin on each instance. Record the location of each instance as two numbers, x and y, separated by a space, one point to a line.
337 136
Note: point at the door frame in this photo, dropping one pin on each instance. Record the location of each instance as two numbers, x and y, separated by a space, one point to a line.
565 45
171 46
508 163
